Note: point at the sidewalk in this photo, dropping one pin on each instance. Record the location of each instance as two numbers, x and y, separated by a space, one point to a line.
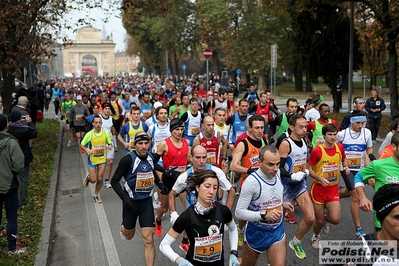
62 234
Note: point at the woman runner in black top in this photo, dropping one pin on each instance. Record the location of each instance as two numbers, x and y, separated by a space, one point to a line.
204 224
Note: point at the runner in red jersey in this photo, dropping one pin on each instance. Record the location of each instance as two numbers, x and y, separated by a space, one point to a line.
174 152
214 143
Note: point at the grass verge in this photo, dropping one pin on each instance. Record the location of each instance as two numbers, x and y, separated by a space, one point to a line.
30 217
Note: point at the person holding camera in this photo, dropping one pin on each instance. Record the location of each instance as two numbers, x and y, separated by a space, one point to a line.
23 129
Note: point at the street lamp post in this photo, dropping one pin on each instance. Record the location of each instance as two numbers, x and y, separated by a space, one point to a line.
364 88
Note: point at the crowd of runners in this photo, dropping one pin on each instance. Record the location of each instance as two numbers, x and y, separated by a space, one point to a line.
209 148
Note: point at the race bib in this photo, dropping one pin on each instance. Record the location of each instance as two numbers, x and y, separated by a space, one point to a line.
208 249
354 159
99 151
254 160
319 141
330 172
79 117
180 169
146 113
144 182
131 143
239 133
300 165
211 158
276 206
195 130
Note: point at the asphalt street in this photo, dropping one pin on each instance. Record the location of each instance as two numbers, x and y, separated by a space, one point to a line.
86 233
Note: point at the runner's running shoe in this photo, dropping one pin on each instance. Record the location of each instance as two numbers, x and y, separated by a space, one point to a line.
184 246
96 199
291 219
315 241
158 228
107 184
86 181
297 247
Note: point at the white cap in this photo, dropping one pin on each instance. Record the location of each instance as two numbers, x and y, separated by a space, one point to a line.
79 97
157 104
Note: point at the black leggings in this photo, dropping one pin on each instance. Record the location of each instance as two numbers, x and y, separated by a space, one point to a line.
46 103
374 124
56 106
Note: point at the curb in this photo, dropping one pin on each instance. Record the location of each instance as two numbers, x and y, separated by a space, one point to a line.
45 242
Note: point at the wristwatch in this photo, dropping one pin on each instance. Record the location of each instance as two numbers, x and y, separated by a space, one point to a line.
263 214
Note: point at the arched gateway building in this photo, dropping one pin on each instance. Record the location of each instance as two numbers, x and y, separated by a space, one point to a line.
92 53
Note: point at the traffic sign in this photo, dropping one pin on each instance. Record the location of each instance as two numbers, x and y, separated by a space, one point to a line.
44 67
184 67
238 71
207 53
168 71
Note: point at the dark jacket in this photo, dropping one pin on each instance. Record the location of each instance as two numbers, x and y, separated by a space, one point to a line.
11 161
372 104
23 133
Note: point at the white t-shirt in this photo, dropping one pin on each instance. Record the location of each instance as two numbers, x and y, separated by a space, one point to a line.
180 183
312 115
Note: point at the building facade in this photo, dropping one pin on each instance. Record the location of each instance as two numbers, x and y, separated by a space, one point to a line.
91 53
125 64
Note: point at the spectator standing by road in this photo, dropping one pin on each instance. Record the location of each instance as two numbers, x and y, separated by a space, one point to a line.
374 106
12 162
47 98
23 133
22 106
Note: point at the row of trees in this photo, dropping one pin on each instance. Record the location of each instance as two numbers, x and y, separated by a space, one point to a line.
312 36
28 28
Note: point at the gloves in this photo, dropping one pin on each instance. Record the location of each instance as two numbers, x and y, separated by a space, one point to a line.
251 170
173 217
372 157
171 173
127 203
299 176
164 189
233 261
183 262
306 172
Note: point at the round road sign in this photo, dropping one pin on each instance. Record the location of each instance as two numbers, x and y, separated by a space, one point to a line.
207 53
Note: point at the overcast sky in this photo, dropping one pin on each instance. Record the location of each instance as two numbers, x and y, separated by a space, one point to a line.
114 25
